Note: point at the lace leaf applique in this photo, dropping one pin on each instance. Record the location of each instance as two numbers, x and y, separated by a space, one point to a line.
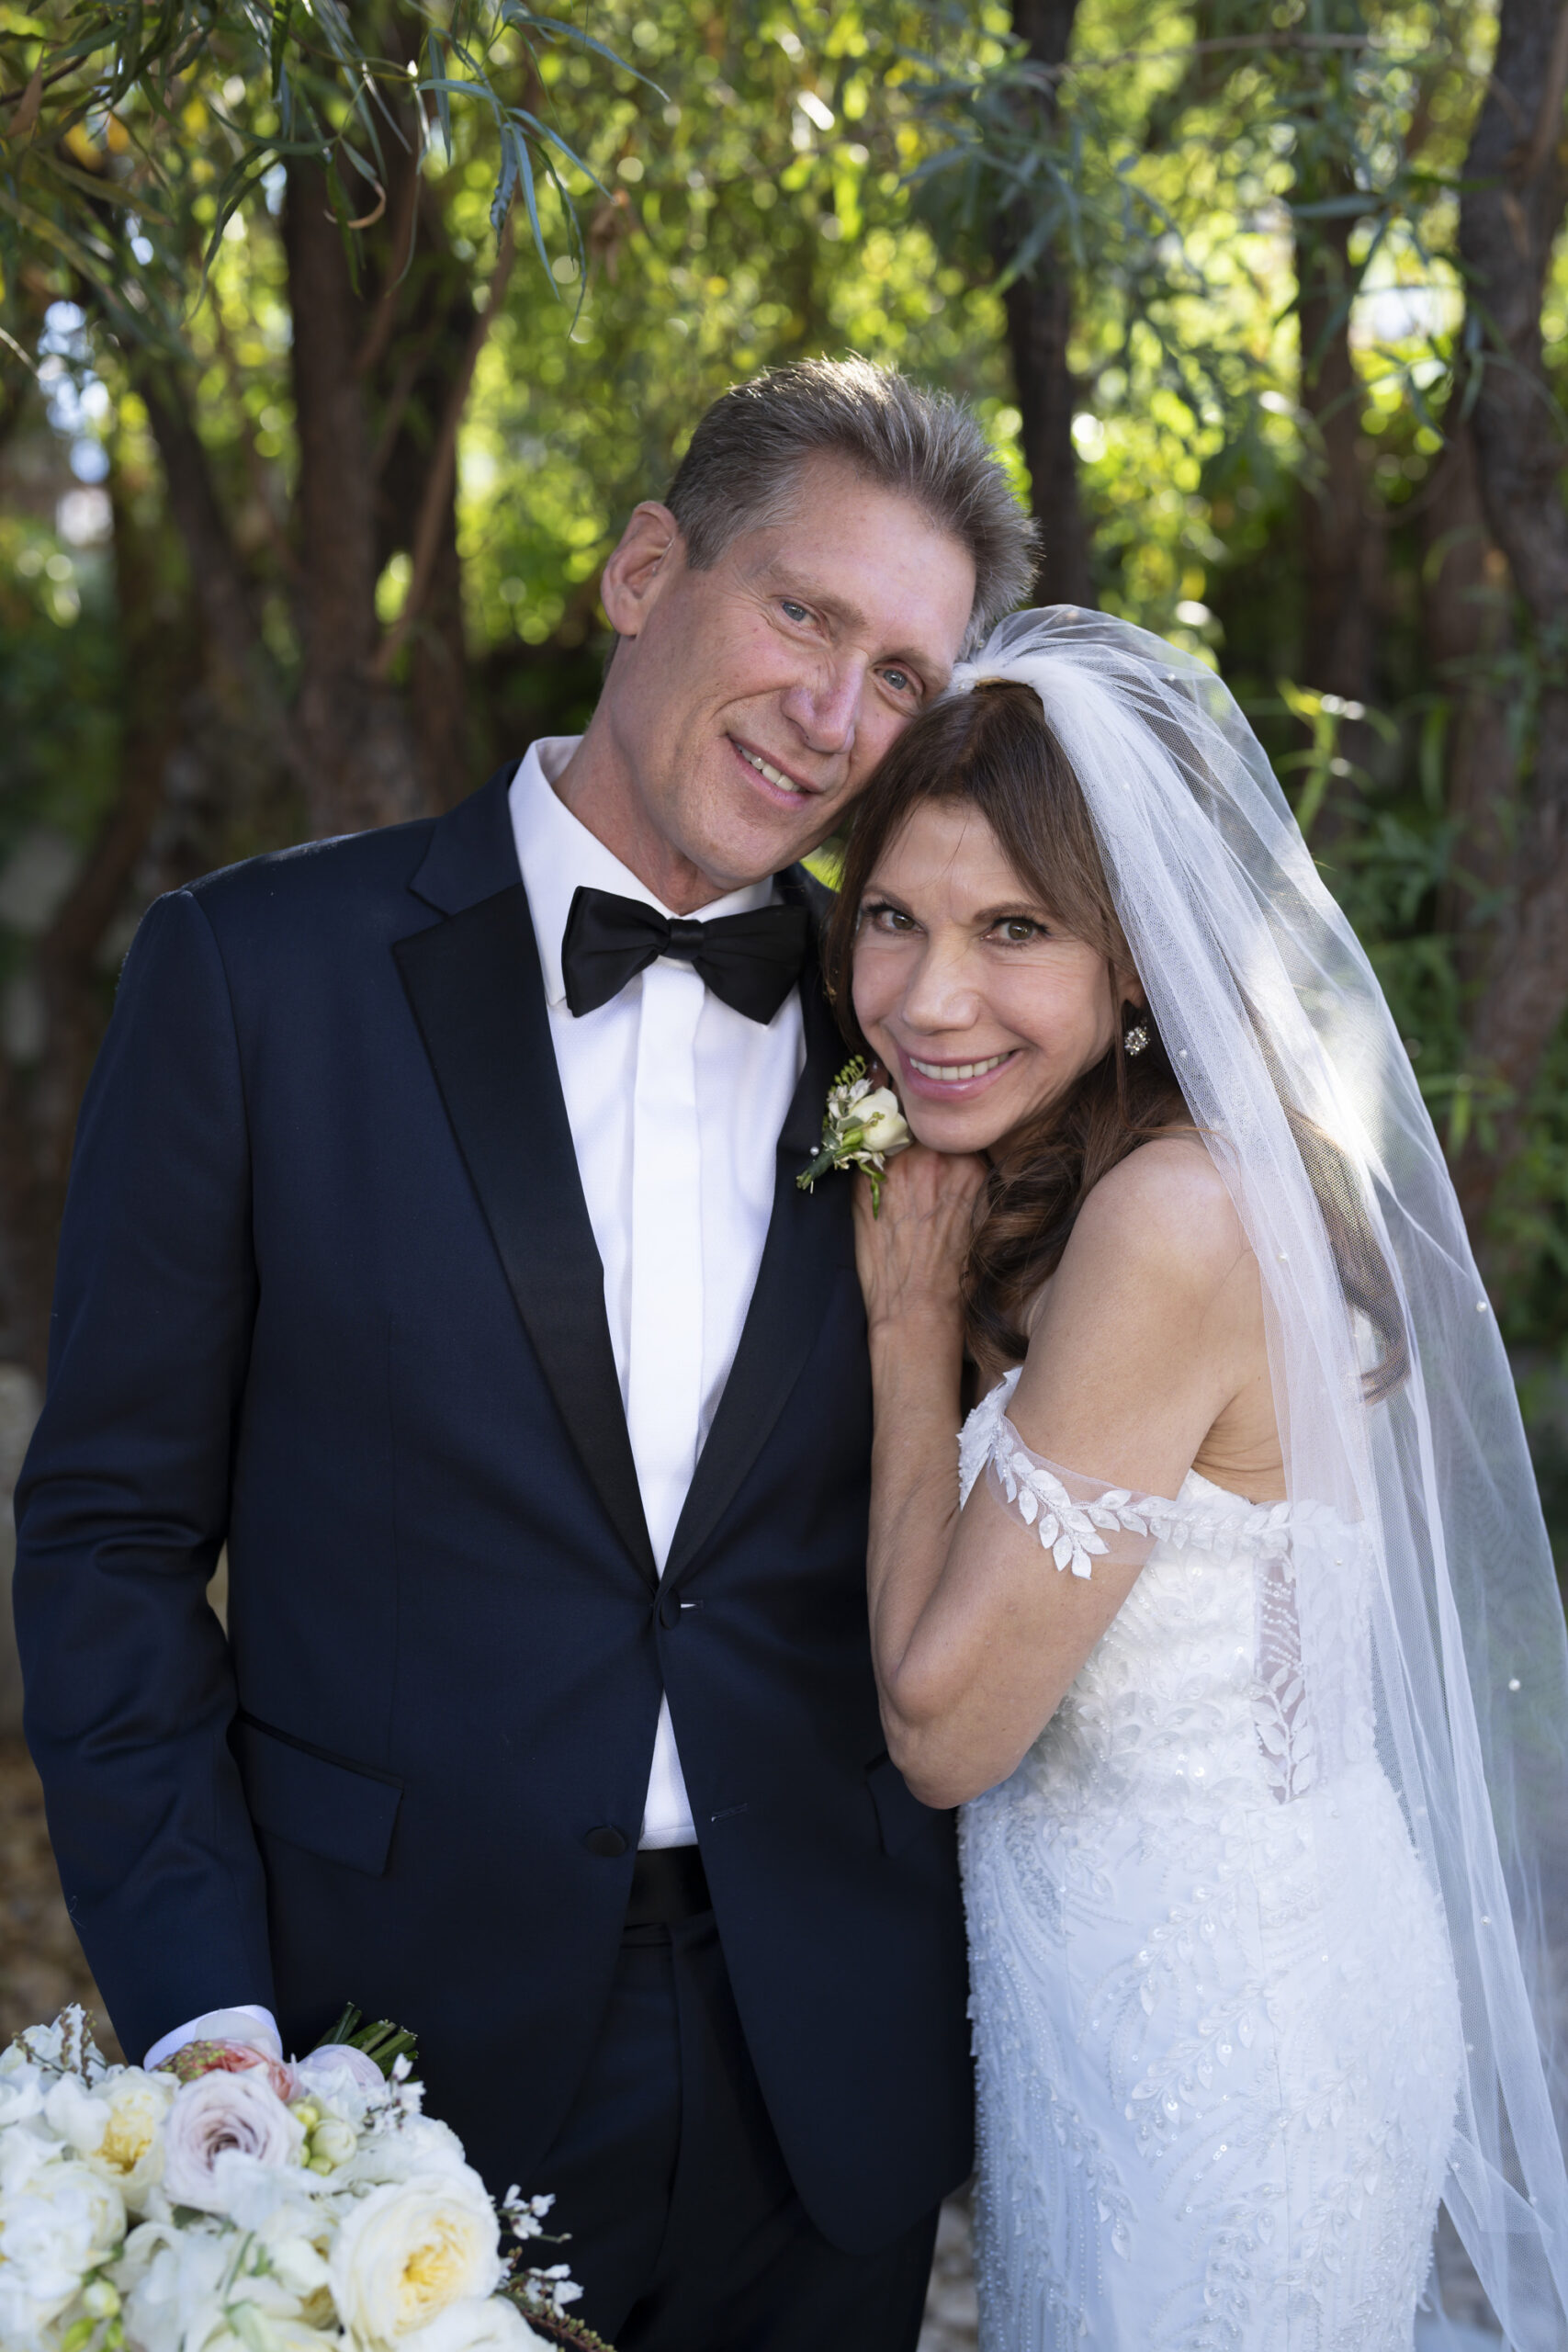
1074 1533
1074 1515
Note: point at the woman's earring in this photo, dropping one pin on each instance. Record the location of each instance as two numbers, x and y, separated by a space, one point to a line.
1134 1038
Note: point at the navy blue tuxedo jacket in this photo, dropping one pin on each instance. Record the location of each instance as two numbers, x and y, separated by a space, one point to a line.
328 1293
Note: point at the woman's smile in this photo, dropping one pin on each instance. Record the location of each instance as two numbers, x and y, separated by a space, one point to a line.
949 1080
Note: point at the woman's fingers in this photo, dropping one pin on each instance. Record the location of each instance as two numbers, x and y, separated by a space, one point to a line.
911 1254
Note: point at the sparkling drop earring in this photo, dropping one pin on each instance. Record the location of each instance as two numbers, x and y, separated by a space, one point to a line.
1135 1038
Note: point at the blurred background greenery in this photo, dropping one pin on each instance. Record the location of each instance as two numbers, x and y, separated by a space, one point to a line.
338 343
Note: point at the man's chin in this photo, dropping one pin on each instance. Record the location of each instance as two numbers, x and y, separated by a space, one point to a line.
752 847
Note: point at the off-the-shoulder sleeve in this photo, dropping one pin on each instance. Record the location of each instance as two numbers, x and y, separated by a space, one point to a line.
1080 1519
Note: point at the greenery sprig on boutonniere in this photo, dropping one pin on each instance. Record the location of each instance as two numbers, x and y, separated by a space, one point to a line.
863 1127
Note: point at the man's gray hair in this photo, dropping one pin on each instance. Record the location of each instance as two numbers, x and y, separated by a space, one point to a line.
741 470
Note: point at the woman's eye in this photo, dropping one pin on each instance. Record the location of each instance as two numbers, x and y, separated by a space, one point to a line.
882 916
1017 931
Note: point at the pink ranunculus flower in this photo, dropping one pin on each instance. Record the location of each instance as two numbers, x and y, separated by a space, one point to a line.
192 2060
220 2115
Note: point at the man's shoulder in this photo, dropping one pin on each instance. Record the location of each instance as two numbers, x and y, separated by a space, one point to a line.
344 868
357 879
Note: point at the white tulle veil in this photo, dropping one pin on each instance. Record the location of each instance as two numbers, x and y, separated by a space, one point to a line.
1451 1654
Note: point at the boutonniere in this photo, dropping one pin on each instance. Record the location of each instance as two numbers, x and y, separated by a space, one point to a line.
863 1127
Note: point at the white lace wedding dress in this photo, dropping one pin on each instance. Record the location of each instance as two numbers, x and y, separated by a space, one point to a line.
1215 2018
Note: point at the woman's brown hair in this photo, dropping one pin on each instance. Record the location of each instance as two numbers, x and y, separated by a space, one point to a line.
992 750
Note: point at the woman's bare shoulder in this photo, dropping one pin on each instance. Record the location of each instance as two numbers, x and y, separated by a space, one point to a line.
1163 1216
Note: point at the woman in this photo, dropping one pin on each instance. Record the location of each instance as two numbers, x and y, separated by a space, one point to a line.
1233 1630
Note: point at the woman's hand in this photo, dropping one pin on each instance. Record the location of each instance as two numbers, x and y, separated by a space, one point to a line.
910 1258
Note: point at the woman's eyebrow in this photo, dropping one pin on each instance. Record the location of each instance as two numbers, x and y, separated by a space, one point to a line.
1011 909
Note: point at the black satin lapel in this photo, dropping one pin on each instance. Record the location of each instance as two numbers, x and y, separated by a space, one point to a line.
807 1246
477 997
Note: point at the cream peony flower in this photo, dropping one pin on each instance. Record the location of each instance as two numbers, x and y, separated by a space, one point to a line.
410 2250
63 2223
115 2126
219 2116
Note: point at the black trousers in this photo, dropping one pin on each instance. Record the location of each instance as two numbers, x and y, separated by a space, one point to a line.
685 2232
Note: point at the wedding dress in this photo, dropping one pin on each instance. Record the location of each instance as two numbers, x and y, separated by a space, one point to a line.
1271 1925
1215 2019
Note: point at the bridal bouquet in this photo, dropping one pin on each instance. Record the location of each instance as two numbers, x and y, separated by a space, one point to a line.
231 2203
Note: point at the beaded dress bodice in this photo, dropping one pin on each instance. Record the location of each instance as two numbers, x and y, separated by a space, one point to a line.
1215 2012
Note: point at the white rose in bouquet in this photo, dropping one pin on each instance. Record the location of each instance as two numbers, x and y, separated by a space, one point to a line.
421 2146
172 2281
408 2251
253 2334
21 2091
58 2227
115 2126
322 2071
202 2284
492 2325
214 2118
24 2151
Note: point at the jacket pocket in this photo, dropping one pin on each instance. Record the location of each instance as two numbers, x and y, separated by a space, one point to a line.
335 1810
900 1816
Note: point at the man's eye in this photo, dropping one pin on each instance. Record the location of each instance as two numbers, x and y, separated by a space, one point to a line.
900 680
793 611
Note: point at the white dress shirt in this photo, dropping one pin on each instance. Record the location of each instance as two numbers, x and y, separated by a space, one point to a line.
675 1101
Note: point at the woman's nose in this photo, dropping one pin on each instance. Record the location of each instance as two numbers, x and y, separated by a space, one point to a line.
941 996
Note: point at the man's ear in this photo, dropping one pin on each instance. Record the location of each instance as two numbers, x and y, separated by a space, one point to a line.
649 553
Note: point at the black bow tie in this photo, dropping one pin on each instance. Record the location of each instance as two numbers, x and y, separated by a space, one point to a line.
749 961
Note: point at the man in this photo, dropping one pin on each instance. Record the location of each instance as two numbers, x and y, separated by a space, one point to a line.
434 1240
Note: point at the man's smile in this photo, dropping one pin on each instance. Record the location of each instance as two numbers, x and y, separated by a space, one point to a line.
783 786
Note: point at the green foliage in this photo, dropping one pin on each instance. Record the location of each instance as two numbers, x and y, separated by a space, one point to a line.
131 138
757 215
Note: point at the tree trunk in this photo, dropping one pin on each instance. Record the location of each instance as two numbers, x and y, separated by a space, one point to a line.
355 742
1515 185
424 358
1466 607
163 663
1341 539
1039 315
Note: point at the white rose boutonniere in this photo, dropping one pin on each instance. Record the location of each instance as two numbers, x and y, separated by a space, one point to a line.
863 1127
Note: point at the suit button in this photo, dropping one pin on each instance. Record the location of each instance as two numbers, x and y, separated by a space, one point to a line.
606 1841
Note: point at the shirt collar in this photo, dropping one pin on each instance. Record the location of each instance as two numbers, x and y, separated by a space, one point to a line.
558 855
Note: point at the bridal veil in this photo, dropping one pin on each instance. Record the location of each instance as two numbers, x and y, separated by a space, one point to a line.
1436 1637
